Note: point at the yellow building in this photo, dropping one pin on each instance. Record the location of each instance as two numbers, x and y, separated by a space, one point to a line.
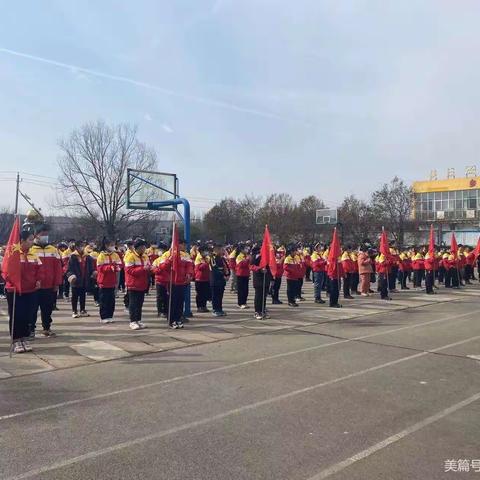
452 203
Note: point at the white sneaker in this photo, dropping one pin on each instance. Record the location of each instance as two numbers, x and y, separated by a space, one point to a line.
75 315
105 320
111 320
135 326
142 325
258 316
243 307
84 313
27 346
18 347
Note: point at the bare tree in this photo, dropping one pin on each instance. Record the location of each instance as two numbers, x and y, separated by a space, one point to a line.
305 221
249 215
6 223
222 221
392 205
93 169
358 220
277 212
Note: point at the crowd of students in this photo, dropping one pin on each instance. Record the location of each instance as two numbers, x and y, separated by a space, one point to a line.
71 270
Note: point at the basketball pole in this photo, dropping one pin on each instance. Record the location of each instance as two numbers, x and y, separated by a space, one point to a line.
186 222
158 205
169 316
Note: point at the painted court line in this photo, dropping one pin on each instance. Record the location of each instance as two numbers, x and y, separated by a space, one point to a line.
229 413
223 368
338 467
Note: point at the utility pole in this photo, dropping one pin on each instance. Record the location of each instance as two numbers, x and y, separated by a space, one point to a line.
16 194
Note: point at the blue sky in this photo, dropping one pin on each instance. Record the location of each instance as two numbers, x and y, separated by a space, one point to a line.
322 97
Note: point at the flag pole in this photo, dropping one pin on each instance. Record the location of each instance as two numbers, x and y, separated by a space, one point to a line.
13 320
386 269
14 288
263 285
169 316
263 292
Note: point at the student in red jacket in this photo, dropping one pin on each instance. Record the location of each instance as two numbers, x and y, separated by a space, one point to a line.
202 279
277 280
318 266
137 280
292 271
242 271
25 302
108 268
52 279
162 281
418 266
180 280
429 263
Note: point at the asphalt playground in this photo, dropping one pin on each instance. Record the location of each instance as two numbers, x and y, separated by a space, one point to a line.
375 390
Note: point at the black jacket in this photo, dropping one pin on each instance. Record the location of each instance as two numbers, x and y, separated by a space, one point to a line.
219 271
259 277
74 268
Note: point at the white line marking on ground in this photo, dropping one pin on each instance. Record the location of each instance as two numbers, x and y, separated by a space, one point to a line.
224 368
235 411
394 438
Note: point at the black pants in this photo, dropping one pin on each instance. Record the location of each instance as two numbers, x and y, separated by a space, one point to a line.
203 293
107 302
383 285
355 280
429 281
308 271
45 301
276 284
162 299
66 287
94 292
260 298
126 299
403 280
299 287
392 279
291 290
121 280
468 273
454 276
176 303
78 295
135 304
25 313
242 290
417 278
441 274
334 292
217 298
346 284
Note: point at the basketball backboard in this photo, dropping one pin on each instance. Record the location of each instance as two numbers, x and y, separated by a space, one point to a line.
327 216
144 187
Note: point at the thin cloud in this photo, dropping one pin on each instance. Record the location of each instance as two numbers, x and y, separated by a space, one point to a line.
165 91
167 128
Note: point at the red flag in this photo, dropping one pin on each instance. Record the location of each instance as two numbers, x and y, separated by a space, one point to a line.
431 243
454 246
476 252
11 267
267 253
333 254
384 247
175 253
